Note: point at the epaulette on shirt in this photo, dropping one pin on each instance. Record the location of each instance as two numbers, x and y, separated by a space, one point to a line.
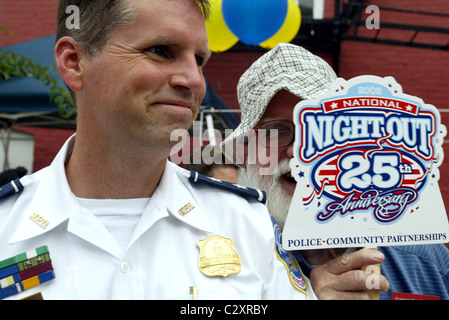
196 177
10 188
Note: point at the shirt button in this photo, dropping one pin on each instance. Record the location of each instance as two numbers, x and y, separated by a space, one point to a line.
124 267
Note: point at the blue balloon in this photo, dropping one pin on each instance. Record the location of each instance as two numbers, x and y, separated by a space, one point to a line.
254 21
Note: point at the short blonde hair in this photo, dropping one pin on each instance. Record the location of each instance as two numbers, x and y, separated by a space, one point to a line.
99 18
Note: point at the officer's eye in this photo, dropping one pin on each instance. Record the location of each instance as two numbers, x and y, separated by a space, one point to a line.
199 60
161 51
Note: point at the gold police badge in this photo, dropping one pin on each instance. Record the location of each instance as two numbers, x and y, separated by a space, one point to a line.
218 257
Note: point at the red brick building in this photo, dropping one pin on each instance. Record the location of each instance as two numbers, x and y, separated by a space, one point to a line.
412 45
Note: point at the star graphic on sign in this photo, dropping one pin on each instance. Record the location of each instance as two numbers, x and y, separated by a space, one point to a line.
409 108
334 105
301 174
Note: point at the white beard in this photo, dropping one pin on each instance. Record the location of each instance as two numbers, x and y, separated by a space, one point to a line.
278 201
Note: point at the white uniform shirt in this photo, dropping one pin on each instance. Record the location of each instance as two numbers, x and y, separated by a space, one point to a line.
161 260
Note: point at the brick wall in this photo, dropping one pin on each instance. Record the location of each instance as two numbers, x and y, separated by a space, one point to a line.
27 19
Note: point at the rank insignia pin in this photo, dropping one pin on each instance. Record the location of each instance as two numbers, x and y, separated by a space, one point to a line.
41 221
218 257
186 209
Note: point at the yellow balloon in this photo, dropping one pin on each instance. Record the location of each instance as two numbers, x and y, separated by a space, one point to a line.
288 30
220 37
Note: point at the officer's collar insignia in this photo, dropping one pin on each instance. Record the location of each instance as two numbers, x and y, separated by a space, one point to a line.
186 209
25 271
218 257
289 261
40 220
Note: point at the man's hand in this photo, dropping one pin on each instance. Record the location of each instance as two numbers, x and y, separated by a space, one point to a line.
343 279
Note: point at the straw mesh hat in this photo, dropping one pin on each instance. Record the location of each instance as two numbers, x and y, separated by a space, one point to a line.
287 67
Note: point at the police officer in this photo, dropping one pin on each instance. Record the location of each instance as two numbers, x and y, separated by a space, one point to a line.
118 219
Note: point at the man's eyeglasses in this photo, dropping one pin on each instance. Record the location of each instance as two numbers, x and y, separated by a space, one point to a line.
285 133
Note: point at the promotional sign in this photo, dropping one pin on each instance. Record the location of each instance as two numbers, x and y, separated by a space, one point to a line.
366 160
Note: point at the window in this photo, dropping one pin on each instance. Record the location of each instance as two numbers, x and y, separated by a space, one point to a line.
311 8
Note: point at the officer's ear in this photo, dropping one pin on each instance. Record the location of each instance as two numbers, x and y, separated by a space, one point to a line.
69 56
